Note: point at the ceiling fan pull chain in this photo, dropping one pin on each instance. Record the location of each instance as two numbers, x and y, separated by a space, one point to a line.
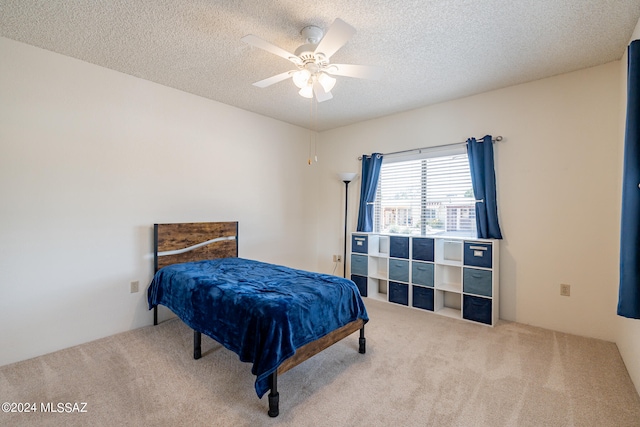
313 124
315 133
310 129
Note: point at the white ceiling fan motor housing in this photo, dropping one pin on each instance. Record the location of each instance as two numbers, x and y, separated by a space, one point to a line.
312 34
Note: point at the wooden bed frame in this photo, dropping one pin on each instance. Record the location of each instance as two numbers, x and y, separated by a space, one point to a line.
187 242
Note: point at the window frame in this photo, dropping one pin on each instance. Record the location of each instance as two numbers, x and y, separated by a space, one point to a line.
426 206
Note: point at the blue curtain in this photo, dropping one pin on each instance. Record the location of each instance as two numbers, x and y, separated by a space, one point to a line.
370 176
629 295
483 181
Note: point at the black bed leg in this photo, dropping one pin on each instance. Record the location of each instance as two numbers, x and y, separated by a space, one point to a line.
197 349
155 315
362 341
274 396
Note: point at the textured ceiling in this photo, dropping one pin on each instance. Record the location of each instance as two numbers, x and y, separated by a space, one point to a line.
430 50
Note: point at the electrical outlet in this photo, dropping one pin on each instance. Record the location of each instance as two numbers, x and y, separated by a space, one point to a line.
135 286
337 258
565 290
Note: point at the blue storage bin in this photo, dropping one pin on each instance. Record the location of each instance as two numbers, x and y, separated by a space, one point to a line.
399 270
359 265
422 249
399 293
478 254
422 273
477 309
476 281
423 298
361 283
399 247
359 243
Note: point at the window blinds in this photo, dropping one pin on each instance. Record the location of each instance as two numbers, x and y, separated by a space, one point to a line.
428 194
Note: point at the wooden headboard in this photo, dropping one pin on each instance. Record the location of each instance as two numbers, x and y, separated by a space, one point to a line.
194 241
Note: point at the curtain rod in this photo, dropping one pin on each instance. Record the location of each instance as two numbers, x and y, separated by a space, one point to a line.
419 150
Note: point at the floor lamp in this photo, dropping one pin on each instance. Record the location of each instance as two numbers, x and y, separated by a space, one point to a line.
346 177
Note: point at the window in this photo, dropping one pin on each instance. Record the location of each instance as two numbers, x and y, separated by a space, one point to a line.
427 193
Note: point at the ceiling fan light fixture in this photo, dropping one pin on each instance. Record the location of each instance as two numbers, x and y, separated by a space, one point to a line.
301 78
326 81
306 92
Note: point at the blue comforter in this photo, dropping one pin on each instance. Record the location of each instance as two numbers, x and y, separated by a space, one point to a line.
262 312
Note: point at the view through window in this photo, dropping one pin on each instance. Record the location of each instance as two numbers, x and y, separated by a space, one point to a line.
429 195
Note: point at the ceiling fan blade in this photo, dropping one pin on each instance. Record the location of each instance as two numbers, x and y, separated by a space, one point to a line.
273 80
357 71
269 47
320 93
337 36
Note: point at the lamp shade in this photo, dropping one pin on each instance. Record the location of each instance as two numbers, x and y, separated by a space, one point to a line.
306 92
327 82
347 176
301 78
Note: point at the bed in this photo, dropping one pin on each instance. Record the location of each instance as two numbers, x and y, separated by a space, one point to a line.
271 316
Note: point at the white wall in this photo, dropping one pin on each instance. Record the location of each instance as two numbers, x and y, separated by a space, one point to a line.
628 330
557 174
90 159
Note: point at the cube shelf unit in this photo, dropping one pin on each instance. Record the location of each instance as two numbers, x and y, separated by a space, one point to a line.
451 276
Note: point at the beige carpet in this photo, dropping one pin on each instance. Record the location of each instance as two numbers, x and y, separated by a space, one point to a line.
420 369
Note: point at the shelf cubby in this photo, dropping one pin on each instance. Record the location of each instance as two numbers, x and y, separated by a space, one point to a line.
378 289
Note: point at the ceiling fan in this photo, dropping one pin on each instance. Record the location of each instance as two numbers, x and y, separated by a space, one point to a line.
313 70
